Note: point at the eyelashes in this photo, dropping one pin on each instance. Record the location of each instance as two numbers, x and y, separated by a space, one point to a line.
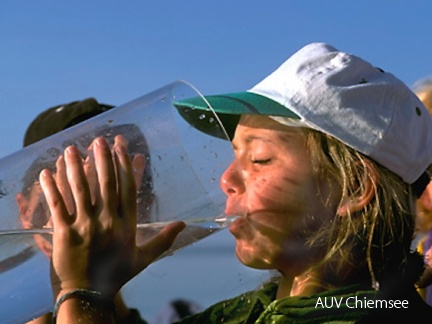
261 161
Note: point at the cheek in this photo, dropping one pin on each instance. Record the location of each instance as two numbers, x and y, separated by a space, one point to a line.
271 242
278 193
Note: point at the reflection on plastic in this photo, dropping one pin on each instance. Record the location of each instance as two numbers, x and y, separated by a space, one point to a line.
180 182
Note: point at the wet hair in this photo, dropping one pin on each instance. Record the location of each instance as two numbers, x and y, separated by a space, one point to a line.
375 241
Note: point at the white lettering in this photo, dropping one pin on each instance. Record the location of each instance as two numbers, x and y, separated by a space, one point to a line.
319 302
329 302
359 302
336 302
348 302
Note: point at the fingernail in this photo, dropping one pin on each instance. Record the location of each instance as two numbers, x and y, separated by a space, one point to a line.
120 149
101 142
70 150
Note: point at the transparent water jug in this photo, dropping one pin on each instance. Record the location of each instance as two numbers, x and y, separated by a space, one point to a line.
180 182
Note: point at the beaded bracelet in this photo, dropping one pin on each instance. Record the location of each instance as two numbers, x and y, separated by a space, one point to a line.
85 294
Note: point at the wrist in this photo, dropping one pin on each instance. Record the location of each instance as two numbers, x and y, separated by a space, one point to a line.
65 287
60 288
83 303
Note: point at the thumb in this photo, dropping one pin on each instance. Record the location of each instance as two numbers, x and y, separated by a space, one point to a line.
158 244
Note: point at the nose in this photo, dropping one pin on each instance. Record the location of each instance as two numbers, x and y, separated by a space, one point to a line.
231 180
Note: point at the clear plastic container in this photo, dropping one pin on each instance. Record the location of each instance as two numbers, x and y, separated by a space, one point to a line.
180 182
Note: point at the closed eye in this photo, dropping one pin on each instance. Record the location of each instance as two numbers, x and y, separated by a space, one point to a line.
261 161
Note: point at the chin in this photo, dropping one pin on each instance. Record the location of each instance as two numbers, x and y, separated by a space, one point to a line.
247 256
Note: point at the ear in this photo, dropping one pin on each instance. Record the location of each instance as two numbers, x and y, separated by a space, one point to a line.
364 194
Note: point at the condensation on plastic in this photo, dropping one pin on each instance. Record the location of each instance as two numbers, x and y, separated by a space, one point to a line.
181 182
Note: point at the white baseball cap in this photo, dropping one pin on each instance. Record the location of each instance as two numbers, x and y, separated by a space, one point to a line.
342 95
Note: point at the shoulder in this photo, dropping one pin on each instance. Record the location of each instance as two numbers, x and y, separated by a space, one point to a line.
241 309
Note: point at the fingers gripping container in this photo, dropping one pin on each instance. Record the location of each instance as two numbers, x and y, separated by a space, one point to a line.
180 181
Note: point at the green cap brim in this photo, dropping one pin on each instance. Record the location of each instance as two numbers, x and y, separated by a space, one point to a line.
229 108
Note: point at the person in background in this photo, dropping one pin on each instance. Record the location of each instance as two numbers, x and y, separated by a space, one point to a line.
47 123
423 89
331 154
33 214
61 117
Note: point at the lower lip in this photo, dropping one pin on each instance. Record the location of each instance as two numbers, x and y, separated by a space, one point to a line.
236 224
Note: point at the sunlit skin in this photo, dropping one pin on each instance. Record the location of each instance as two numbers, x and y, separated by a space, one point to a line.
103 219
272 186
34 213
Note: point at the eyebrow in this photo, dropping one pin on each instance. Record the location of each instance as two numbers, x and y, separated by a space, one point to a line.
250 138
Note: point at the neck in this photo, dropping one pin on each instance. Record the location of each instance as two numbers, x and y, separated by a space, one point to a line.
305 284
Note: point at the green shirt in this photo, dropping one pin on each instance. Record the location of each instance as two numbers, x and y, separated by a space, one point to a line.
343 305
261 307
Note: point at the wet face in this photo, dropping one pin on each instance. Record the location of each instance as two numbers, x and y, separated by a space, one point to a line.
271 184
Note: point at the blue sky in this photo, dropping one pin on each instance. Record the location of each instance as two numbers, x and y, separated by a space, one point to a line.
54 52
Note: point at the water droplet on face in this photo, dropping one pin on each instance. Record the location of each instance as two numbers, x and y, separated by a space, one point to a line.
202 117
